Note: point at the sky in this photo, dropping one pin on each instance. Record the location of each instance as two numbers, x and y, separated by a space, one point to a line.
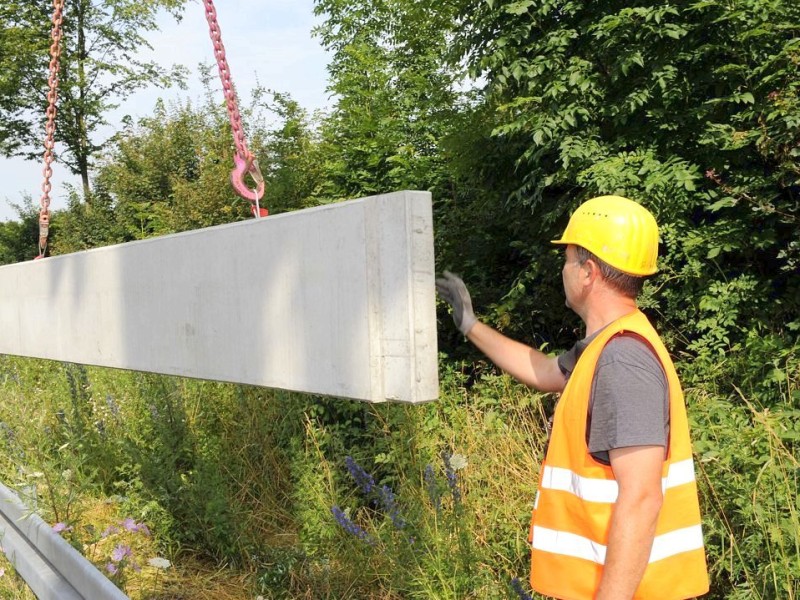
268 42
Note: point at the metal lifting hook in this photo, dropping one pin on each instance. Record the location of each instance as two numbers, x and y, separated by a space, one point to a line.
244 167
244 161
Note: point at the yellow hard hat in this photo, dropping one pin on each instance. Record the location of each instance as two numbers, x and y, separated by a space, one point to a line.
618 231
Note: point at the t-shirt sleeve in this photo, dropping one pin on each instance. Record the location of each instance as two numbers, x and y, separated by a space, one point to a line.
567 361
630 399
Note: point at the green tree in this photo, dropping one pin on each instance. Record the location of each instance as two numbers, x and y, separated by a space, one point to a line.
291 157
85 225
406 117
691 109
18 238
99 68
395 94
170 172
23 45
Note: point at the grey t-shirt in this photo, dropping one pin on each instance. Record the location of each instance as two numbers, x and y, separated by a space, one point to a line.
629 402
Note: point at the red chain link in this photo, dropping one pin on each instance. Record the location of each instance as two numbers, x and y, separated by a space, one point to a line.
244 161
50 127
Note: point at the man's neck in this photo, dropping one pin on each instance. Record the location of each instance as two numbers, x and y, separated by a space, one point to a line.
605 311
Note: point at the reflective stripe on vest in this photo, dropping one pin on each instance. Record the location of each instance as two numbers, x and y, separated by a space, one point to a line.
569 544
606 490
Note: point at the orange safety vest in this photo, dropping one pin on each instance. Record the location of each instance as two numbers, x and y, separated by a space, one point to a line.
576 495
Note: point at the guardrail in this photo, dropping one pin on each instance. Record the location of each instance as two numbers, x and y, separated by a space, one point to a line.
52 568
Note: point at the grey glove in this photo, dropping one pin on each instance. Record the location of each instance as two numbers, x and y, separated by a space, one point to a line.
452 289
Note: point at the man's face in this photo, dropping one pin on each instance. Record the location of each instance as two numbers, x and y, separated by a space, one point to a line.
570 275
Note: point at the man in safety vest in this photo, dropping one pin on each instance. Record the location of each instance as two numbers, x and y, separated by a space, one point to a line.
616 514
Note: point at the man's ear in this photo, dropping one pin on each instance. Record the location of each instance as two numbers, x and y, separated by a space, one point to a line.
592 270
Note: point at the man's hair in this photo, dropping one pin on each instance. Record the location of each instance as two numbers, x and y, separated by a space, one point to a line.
628 285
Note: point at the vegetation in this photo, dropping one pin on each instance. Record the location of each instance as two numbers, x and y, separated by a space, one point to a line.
98 68
692 109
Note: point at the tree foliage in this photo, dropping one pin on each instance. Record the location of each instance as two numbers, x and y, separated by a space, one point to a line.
99 68
23 46
18 237
690 109
170 172
395 95
292 156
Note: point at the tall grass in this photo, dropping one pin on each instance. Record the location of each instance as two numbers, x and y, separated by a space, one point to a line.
747 441
256 492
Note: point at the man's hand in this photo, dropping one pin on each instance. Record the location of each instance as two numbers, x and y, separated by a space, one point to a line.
453 290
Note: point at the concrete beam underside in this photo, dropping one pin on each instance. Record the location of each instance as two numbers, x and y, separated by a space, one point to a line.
334 300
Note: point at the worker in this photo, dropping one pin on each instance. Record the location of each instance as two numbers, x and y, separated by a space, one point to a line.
616 515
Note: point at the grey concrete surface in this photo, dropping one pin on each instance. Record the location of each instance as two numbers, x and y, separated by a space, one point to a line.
335 300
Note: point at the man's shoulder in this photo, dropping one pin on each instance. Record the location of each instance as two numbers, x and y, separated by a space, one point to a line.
624 350
629 348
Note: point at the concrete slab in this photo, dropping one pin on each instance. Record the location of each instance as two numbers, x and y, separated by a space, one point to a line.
335 300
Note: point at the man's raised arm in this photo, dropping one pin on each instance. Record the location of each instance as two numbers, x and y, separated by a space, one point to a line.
528 365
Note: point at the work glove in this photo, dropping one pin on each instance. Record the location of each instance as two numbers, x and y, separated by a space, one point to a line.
452 289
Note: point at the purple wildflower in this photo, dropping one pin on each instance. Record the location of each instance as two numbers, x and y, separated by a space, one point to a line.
452 478
130 525
120 552
112 406
363 479
384 494
110 530
59 527
432 487
111 568
350 527
389 503
517 587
